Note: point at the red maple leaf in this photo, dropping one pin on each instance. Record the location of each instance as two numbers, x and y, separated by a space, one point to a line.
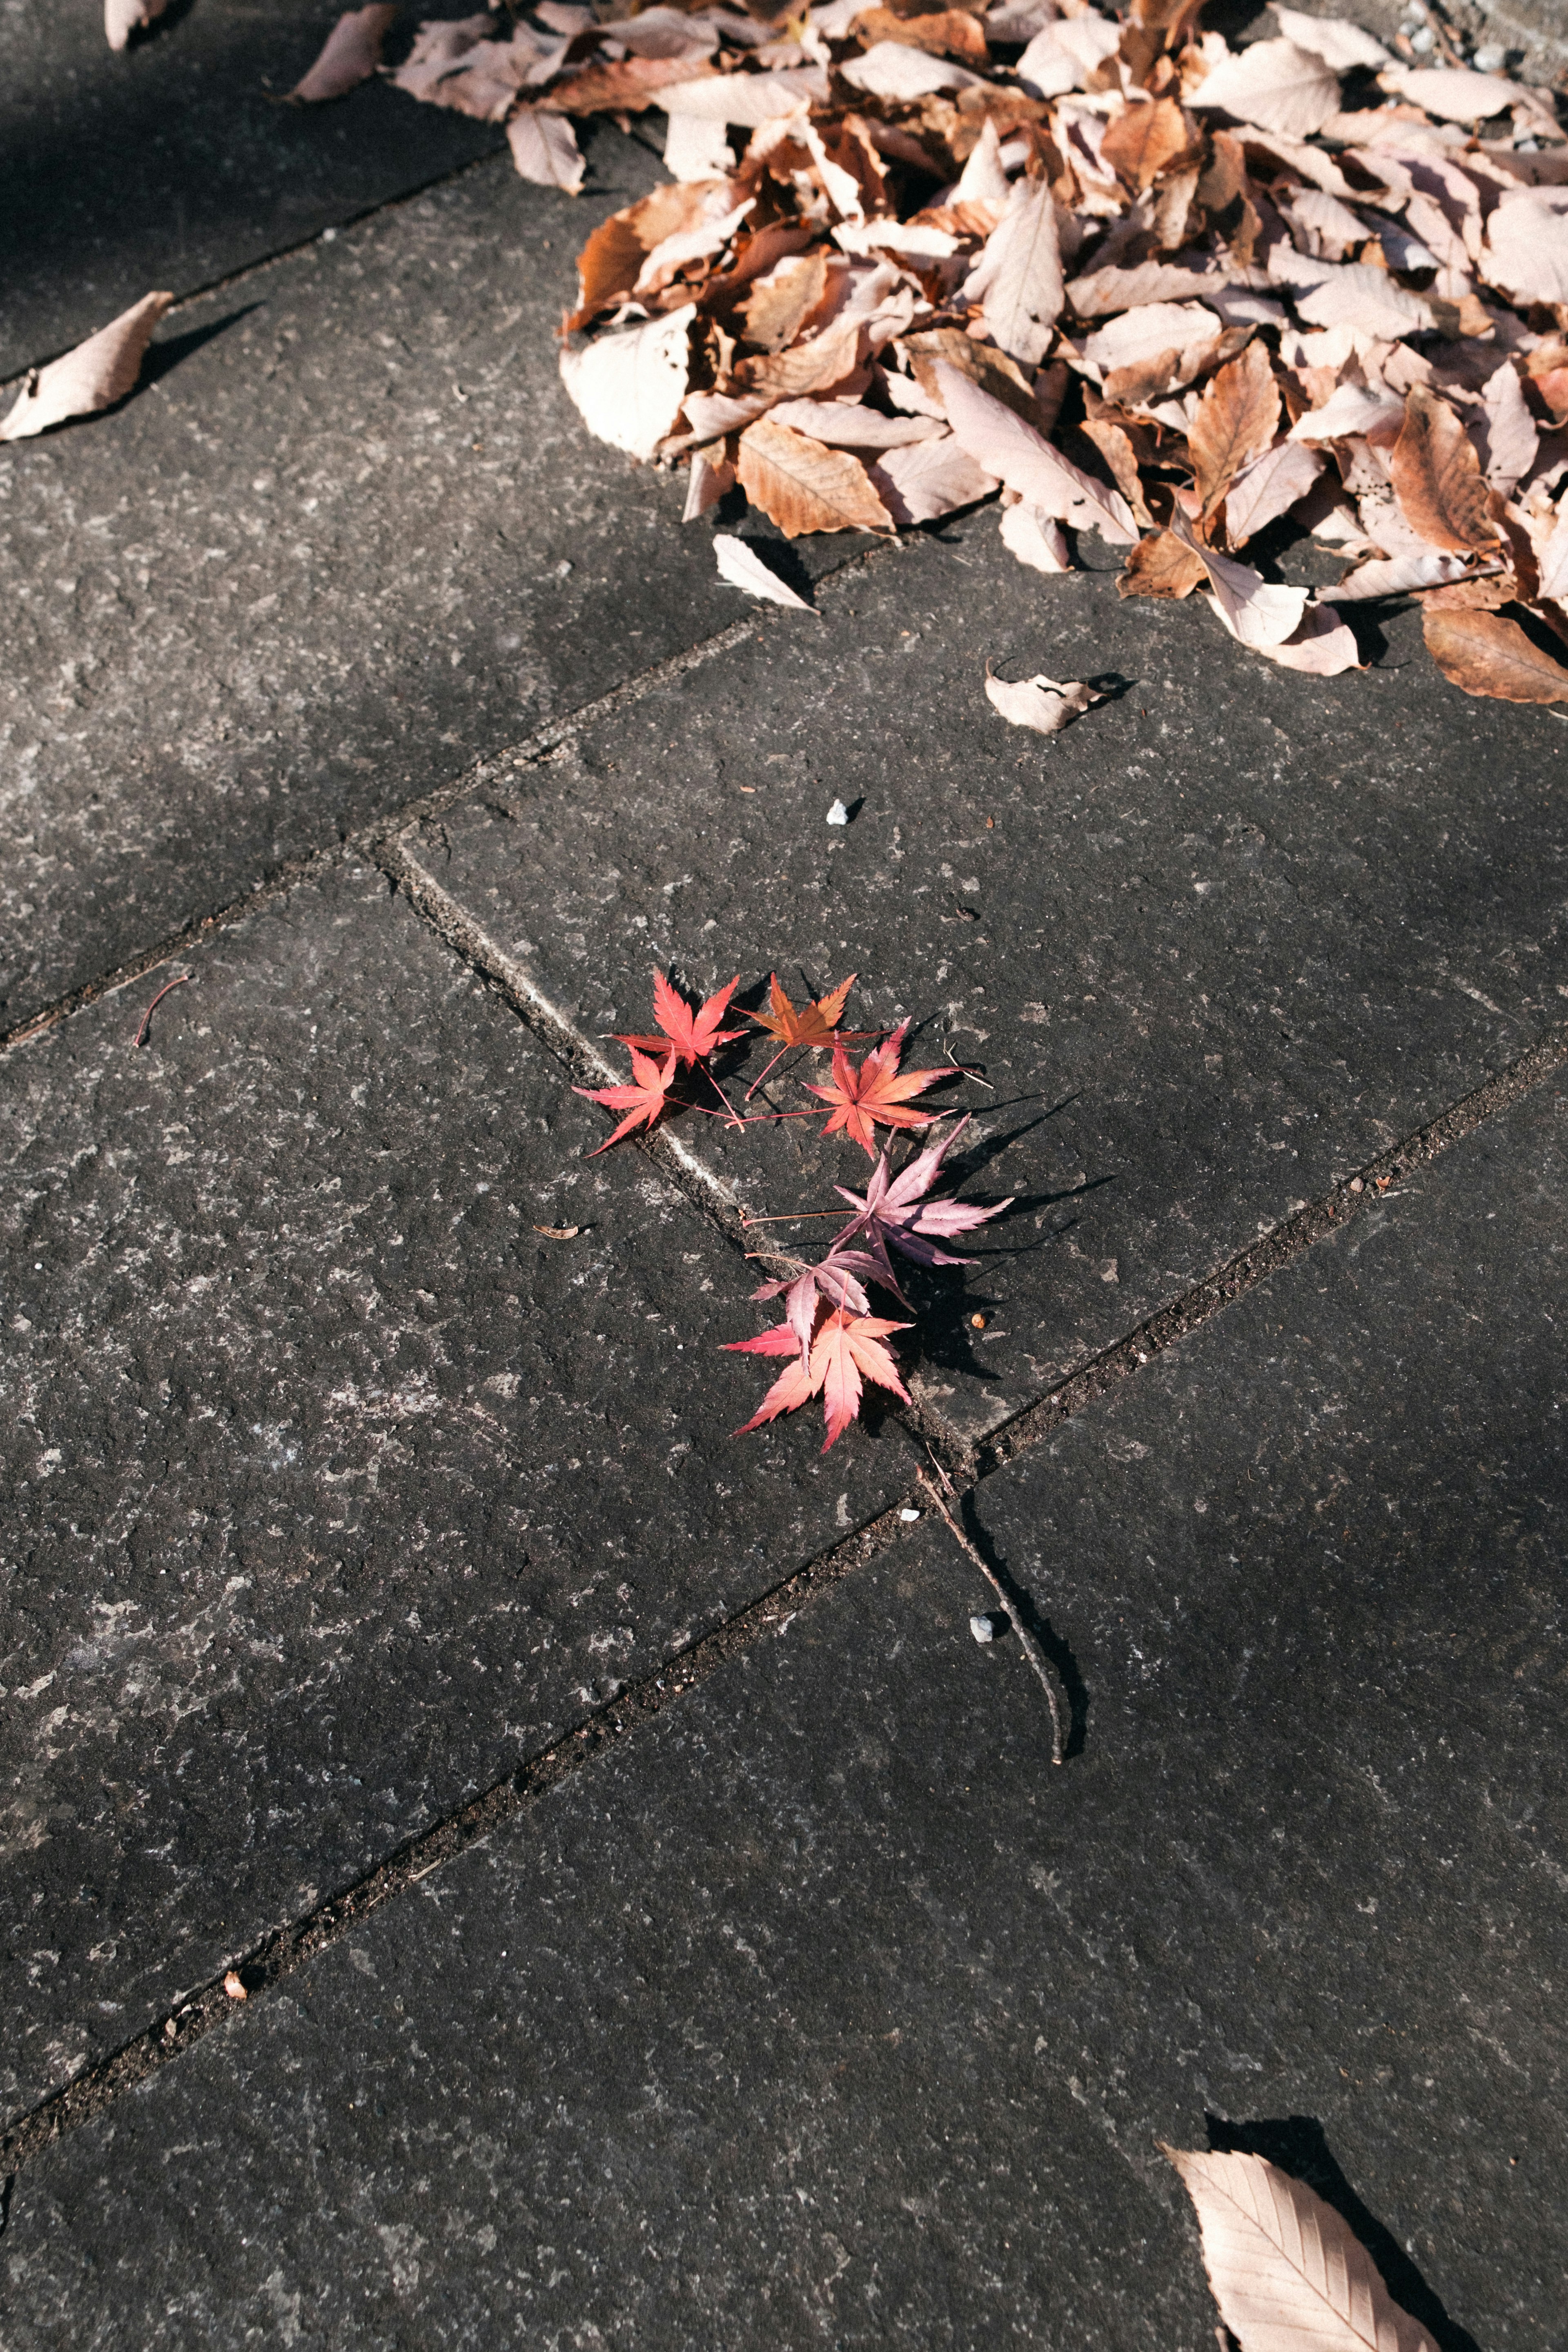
643 1100
877 1090
693 1035
845 1348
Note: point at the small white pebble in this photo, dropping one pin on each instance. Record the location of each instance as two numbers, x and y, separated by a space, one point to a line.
1424 41
908 1515
838 813
985 1627
1491 58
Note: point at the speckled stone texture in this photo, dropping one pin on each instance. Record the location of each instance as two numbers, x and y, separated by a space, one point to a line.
333 1488
173 163
829 2012
1227 937
351 538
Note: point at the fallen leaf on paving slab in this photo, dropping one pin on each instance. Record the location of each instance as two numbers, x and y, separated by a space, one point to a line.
895 1212
694 1035
1288 2273
803 485
929 479
1162 565
1336 39
559 1233
629 388
1146 141
1396 575
1017 279
877 1091
94 376
743 568
1487 654
544 148
1039 702
1036 541
1234 422
123 17
845 1348
350 56
706 484
1275 85
812 1024
1004 444
643 1100
1437 477
1269 489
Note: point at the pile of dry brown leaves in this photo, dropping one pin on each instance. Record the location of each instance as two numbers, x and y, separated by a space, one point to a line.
1136 281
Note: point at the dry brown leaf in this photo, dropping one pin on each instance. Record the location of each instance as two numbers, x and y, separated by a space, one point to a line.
611 261
803 485
889 69
1526 250
351 53
1396 575
1035 538
1336 39
1269 489
1005 446
993 371
1161 565
780 304
1235 422
1509 436
1018 278
559 1233
1117 447
1146 141
1275 85
1451 95
1437 477
1286 2272
1104 293
709 478
946 33
742 567
850 425
829 363
629 388
926 479
545 151
624 87
1039 702
1256 611
1487 654
92 377
123 17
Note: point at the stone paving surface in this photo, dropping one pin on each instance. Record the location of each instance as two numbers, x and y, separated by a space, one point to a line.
831 2013
1214 948
173 163
335 1488
355 539
820 2009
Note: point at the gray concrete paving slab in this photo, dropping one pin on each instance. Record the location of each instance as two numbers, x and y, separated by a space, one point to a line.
352 537
1231 934
826 2010
334 1488
173 164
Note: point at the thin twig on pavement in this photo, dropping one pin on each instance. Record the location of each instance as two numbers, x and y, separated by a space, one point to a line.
1031 1647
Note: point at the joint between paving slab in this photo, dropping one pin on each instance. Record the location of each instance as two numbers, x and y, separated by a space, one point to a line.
373 841
291 1946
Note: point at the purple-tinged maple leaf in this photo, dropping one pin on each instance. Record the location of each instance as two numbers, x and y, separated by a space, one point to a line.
894 1212
838 1280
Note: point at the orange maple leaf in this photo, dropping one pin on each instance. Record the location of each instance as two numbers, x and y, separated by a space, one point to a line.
693 1035
643 1100
877 1091
813 1024
845 1347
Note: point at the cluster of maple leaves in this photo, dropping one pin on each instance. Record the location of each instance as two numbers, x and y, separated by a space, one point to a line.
1129 278
833 1339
